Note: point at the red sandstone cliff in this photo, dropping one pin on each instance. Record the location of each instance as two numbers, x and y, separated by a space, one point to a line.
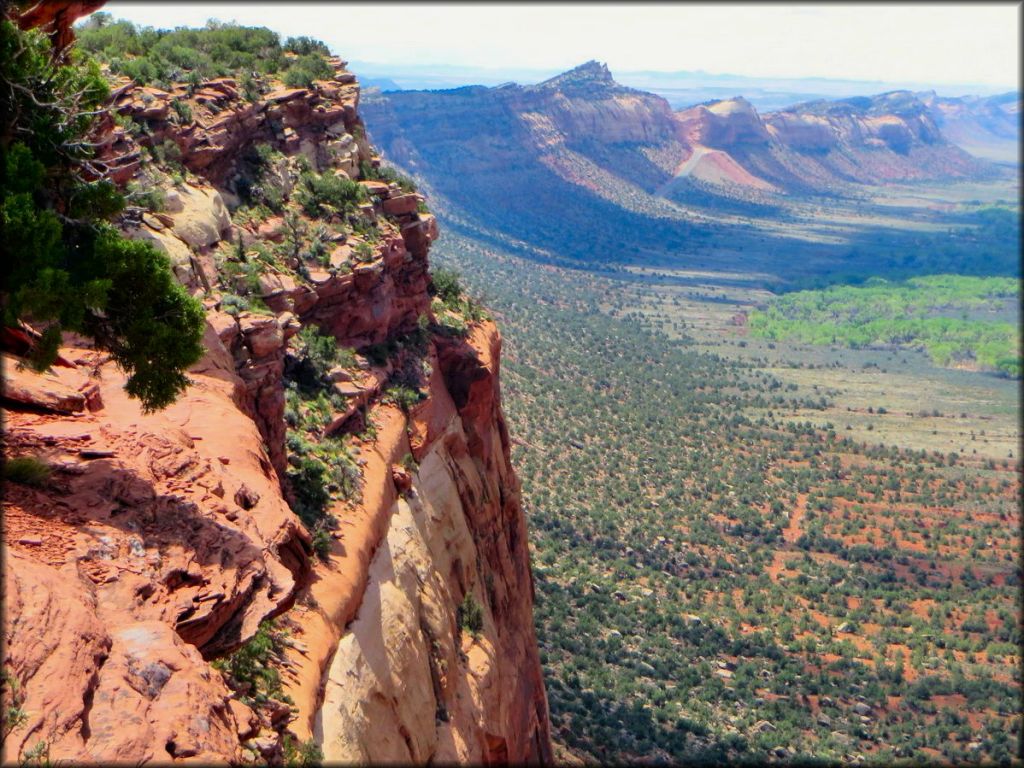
162 541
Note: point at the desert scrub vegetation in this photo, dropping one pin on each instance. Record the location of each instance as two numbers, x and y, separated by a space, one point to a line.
307 69
321 467
402 395
452 304
249 670
264 181
323 195
470 615
162 56
11 701
317 354
698 549
304 754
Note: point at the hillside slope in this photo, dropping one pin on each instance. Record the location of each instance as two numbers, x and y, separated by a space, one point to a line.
556 167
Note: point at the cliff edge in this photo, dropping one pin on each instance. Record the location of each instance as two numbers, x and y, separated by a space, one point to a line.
320 547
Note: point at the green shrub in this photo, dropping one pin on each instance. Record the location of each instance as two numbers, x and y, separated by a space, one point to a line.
182 110
452 324
149 55
321 542
306 69
304 46
345 474
151 198
252 88
470 615
446 286
308 482
14 714
233 304
75 272
364 252
248 669
27 470
322 195
305 754
320 349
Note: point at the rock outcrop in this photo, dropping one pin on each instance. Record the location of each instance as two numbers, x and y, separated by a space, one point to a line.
136 563
55 17
152 544
823 145
577 119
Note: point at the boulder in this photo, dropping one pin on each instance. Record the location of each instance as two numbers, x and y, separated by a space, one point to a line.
57 390
203 219
375 188
177 252
272 229
401 205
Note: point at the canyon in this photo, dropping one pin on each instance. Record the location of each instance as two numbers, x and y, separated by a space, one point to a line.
165 541
623 528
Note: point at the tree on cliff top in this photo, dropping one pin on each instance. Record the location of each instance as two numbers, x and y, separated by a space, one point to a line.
65 267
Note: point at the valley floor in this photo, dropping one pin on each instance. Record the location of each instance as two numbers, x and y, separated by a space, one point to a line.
746 548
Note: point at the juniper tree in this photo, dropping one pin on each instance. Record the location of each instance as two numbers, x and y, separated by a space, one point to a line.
66 268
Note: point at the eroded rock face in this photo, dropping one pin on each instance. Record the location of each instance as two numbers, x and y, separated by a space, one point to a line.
586 105
404 682
583 133
56 17
581 116
135 563
321 123
987 127
723 123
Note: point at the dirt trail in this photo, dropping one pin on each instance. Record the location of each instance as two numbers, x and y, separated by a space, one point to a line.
793 531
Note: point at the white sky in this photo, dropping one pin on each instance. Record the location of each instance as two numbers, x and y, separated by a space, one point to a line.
925 43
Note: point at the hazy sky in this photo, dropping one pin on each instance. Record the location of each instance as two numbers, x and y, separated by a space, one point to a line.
925 43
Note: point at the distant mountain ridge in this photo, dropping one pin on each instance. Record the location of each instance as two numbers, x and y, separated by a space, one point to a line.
591 131
821 145
986 126
682 88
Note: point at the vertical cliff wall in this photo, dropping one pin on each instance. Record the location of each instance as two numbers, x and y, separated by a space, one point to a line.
162 543
414 677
